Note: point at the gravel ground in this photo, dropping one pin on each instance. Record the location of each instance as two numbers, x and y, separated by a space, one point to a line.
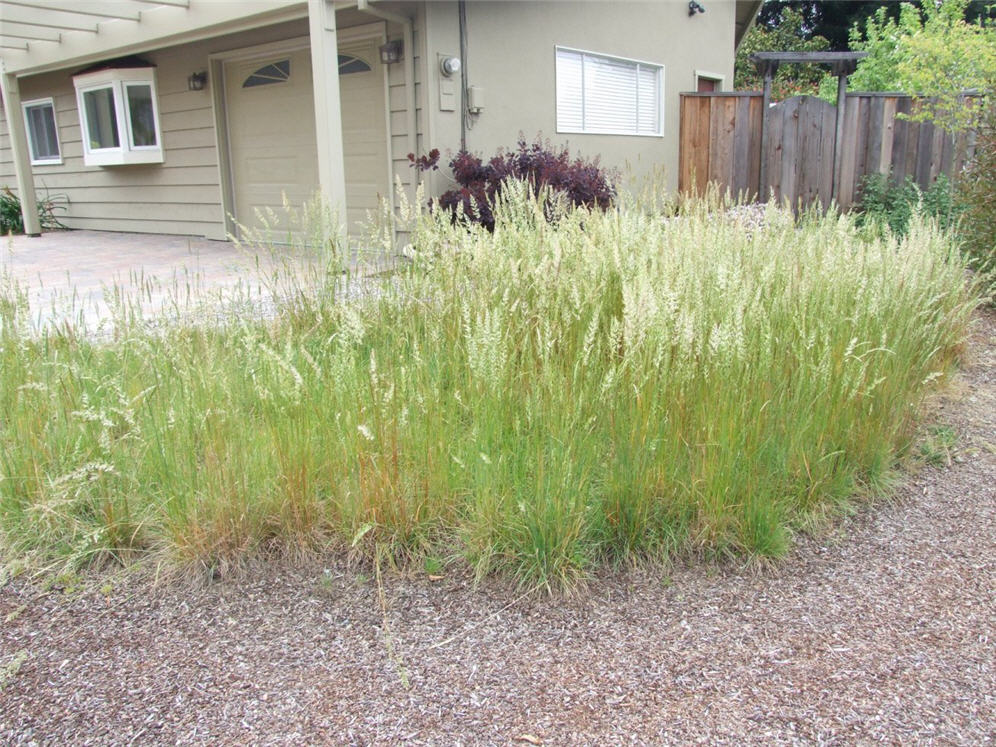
882 628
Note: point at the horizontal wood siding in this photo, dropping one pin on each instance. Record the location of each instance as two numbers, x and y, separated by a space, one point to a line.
182 195
7 175
400 168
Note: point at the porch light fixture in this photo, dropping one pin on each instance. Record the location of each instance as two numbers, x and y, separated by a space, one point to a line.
393 51
695 7
197 81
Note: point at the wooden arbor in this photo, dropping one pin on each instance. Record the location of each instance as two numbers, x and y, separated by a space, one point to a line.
842 64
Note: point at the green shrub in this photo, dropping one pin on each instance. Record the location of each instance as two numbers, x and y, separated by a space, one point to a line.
537 400
885 203
976 195
930 51
790 35
12 220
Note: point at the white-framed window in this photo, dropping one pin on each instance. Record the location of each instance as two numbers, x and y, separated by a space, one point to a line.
598 93
119 116
43 132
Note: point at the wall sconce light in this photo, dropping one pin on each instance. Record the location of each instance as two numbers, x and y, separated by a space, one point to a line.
393 51
197 81
695 7
449 66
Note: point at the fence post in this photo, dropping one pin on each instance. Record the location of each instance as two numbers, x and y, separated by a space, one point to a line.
841 70
838 136
768 69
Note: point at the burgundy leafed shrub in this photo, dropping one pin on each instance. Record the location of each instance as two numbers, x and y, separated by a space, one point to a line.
583 182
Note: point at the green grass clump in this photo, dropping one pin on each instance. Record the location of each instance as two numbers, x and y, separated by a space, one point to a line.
885 205
537 400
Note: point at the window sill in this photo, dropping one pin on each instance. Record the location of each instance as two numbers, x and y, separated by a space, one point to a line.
610 132
119 157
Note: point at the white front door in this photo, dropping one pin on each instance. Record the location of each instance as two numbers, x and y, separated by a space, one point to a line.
271 134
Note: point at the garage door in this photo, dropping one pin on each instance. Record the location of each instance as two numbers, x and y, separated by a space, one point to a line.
271 130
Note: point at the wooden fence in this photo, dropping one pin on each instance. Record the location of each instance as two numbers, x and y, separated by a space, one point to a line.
724 139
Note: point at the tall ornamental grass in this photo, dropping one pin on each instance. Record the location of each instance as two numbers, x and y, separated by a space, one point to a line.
534 402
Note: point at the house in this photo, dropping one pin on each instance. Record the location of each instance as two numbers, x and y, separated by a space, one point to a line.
186 116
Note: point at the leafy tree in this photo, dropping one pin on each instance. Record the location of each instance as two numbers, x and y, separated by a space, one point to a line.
789 35
831 19
834 19
934 52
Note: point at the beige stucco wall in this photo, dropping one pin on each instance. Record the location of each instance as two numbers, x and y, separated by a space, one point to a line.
511 54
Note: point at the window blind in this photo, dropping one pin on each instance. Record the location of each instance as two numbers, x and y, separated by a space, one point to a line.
600 94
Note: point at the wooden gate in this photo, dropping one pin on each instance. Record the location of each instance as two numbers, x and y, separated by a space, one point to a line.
800 154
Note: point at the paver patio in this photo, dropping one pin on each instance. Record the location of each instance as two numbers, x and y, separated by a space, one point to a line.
89 275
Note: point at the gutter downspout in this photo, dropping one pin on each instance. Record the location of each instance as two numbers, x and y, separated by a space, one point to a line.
462 15
408 36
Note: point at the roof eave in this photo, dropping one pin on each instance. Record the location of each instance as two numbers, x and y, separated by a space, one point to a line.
746 15
157 26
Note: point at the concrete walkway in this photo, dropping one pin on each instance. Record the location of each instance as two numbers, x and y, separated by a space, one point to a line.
92 277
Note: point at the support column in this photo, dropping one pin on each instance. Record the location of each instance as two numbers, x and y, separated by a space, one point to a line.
328 110
19 150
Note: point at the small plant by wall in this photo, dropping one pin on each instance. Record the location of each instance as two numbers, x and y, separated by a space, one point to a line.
12 219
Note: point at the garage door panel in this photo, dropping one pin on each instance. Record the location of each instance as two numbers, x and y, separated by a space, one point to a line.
273 142
261 170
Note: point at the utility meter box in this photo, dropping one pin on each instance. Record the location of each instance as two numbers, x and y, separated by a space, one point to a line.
475 99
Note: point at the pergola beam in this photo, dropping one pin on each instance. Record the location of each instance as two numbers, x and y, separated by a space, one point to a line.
160 23
841 63
30 36
122 9
49 20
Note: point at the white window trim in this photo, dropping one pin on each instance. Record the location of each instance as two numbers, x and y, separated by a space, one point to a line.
158 147
630 60
720 80
118 81
25 105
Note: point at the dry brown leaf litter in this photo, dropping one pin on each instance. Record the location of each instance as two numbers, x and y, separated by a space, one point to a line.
882 628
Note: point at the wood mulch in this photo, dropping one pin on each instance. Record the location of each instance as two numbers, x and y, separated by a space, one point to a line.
880 628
